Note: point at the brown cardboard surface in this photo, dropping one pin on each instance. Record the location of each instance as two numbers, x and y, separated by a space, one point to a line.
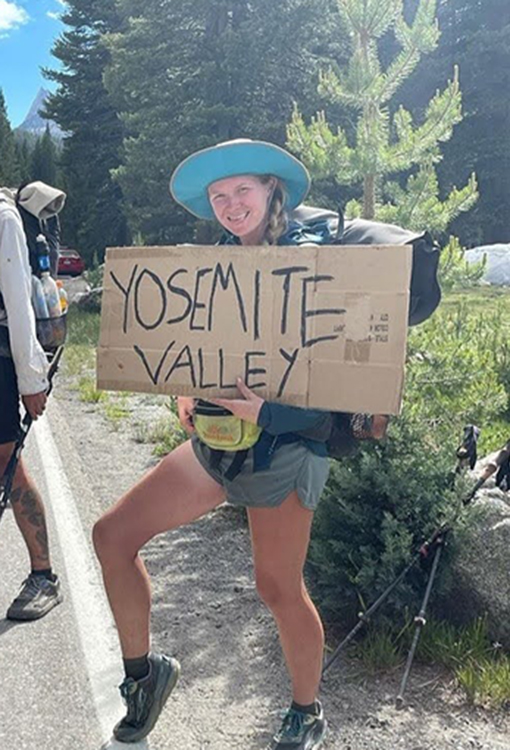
321 327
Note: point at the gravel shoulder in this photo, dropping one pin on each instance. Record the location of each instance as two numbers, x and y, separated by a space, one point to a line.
207 613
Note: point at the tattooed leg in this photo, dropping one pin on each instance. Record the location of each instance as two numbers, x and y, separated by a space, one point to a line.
29 514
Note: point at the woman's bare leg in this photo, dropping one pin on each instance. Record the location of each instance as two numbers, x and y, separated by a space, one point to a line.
178 490
280 538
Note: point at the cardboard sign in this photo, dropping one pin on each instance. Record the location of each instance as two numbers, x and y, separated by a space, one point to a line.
322 327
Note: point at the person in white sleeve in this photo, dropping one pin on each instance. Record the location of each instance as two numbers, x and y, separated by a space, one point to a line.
23 373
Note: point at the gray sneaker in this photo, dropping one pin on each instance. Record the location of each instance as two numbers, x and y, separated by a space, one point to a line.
300 731
146 698
37 596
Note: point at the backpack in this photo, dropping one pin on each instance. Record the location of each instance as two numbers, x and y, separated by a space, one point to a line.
340 430
51 332
32 227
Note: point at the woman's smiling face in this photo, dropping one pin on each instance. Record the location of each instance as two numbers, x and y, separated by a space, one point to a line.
240 204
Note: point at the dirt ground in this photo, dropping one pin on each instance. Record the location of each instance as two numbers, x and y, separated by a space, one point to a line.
207 613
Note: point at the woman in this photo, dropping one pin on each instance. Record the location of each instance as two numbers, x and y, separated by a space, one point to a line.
248 187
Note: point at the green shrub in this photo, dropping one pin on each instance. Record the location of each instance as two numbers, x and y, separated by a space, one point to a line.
454 270
94 274
458 367
377 509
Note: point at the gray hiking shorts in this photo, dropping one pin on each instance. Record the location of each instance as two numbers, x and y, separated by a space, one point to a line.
293 467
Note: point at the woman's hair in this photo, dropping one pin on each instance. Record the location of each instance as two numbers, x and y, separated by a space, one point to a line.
277 216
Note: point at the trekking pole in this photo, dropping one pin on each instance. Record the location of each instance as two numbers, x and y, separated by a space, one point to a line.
7 480
365 616
420 620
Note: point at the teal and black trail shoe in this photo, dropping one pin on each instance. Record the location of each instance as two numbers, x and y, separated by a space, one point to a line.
301 731
146 698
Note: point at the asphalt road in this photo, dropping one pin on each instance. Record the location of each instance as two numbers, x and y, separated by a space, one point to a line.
58 675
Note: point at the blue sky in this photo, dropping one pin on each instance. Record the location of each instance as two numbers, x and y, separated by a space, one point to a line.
28 29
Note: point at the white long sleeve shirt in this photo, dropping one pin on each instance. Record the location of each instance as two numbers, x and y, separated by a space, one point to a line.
29 359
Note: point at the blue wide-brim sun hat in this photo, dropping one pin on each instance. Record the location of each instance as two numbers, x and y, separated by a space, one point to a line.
193 176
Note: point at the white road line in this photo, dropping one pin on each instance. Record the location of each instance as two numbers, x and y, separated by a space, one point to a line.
94 621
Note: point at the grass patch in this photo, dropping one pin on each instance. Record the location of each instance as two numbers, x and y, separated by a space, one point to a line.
380 650
82 327
486 682
165 434
441 643
481 668
82 340
153 432
78 359
88 391
116 408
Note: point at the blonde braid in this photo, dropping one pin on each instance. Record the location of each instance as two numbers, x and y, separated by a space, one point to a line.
277 216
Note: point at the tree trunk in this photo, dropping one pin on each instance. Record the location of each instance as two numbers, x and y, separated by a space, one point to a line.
369 196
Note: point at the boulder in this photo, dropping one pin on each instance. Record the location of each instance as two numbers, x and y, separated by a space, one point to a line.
90 301
479 576
497 270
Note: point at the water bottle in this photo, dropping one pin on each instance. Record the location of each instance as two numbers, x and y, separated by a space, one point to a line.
64 302
39 300
43 252
49 285
51 295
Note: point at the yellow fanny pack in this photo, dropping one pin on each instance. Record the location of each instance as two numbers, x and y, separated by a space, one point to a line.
221 430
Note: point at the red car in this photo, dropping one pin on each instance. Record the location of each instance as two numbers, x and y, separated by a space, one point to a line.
70 262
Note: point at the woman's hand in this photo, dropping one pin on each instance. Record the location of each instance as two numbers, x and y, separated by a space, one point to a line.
35 404
185 406
247 408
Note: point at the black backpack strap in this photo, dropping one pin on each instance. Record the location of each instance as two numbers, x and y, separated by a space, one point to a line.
236 465
215 458
234 468
32 227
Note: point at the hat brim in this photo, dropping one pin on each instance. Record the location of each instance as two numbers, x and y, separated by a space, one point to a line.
193 176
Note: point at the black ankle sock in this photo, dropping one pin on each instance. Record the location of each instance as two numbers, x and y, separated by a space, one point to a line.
137 668
313 708
46 573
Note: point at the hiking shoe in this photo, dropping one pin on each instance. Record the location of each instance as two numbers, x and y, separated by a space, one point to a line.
300 731
146 698
37 596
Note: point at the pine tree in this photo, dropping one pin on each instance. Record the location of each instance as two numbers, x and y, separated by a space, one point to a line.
24 156
94 217
185 74
43 162
383 145
9 167
475 34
